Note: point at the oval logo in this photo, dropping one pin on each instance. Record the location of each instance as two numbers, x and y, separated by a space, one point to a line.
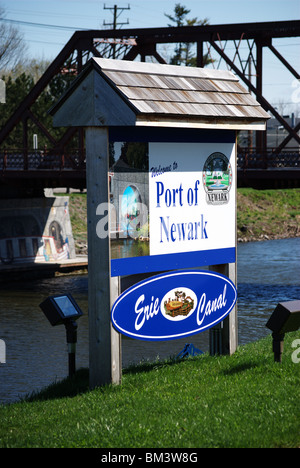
173 305
178 304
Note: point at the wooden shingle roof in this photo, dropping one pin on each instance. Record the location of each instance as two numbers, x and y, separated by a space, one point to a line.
168 95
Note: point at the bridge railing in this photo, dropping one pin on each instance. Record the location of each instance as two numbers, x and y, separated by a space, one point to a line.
51 160
41 160
255 159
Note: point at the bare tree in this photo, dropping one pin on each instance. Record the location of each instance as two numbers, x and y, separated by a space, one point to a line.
12 45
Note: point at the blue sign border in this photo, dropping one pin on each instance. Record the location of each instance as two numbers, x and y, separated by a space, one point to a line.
141 313
153 263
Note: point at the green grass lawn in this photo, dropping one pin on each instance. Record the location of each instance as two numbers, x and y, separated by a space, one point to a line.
244 400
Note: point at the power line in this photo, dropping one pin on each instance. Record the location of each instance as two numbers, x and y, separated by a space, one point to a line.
42 25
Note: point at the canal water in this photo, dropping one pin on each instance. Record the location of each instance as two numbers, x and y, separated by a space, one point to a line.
36 352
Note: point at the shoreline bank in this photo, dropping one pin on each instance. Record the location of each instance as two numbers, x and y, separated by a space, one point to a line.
265 237
261 215
267 214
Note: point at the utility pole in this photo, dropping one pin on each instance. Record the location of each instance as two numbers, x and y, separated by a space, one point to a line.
114 25
115 9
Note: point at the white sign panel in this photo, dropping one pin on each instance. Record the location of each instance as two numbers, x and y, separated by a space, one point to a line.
191 197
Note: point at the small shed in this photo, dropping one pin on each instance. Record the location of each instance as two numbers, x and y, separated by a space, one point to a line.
134 101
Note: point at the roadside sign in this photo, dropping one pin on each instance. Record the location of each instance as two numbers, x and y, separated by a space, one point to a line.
179 212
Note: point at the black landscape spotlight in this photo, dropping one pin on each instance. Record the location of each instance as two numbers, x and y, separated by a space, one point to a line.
284 319
63 310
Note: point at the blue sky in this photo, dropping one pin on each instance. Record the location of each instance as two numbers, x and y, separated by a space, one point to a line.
46 42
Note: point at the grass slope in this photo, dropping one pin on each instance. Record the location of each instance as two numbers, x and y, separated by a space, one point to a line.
244 400
268 214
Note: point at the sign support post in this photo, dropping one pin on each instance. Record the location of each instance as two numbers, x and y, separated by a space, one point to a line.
229 330
104 341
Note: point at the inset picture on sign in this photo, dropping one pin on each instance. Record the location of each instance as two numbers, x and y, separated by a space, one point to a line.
178 304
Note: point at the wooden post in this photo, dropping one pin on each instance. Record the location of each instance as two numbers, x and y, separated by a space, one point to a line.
104 342
229 329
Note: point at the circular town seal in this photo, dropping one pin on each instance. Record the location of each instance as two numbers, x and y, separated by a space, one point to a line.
217 179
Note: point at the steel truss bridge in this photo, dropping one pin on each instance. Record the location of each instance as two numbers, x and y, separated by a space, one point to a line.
239 46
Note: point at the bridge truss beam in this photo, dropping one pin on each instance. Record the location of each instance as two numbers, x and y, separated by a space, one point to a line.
223 43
